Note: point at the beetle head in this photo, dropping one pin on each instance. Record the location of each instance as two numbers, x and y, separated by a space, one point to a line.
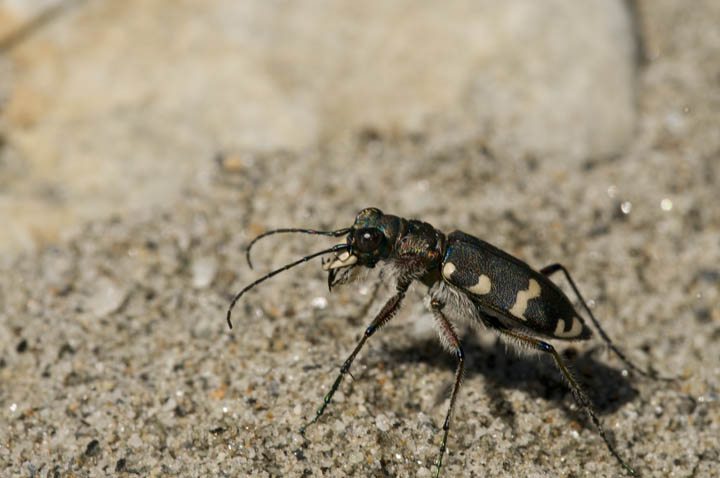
369 241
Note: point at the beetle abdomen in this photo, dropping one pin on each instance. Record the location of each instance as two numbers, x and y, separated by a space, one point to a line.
509 289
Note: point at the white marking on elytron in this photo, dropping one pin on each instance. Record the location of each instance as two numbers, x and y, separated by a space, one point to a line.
344 259
574 330
448 269
482 287
522 299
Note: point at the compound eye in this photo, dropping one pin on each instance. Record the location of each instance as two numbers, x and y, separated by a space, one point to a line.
367 240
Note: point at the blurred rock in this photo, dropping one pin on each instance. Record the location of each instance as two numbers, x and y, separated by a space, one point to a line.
115 105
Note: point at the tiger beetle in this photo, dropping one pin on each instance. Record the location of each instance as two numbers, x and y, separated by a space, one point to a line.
467 278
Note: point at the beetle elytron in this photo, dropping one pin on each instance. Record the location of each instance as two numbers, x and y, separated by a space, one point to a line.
467 278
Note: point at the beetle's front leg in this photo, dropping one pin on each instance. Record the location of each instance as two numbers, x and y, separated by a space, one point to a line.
386 313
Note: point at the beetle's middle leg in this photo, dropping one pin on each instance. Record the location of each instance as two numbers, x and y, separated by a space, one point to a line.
580 397
551 269
384 316
449 334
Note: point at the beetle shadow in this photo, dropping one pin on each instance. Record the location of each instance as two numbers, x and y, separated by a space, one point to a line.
506 368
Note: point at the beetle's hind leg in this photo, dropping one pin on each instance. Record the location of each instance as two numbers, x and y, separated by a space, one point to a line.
551 269
580 397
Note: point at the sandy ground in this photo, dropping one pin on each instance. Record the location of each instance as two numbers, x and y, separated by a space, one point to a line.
115 358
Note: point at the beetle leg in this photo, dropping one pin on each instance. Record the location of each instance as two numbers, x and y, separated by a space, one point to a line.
449 333
551 269
580 397
384 316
